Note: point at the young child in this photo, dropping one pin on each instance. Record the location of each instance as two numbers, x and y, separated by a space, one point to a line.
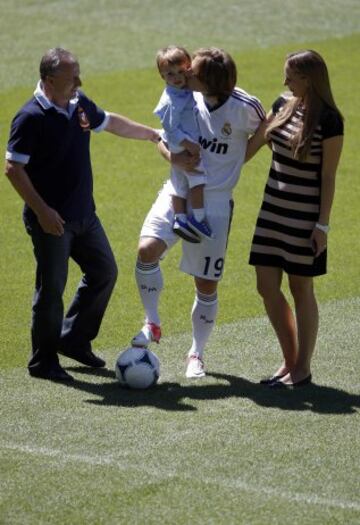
176 112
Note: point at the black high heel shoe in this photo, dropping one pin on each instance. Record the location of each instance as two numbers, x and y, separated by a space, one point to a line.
269 380
303 382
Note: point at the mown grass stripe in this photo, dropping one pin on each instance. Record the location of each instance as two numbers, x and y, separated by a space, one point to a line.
311 499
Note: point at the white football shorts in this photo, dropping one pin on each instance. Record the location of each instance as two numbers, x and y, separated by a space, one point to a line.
205 259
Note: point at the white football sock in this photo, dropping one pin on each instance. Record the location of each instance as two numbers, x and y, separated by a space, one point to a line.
203 317
150 283
199 214
181 216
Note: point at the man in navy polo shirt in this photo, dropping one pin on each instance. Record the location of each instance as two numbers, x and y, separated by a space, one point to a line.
48 163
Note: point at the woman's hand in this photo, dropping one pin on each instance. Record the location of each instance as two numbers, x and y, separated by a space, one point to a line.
319 241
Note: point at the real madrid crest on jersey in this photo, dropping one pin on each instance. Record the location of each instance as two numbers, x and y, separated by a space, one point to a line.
83 120
226 130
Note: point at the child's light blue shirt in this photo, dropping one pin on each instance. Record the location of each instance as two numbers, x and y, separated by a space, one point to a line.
176 111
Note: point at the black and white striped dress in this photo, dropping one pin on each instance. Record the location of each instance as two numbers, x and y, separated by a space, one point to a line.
291 203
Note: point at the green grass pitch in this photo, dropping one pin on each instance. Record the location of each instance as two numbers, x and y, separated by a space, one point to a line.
223 450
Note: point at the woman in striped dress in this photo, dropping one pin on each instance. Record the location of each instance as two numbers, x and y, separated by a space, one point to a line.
305 133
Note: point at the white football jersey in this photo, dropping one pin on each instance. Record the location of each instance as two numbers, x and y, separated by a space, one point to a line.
223 136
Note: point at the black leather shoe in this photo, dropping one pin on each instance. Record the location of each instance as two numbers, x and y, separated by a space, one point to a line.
303 382
87 358
54 373
271 379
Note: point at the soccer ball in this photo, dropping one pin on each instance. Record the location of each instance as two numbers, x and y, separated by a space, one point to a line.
137 368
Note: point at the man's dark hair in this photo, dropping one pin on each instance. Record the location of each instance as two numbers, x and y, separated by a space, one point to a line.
217 71
52 61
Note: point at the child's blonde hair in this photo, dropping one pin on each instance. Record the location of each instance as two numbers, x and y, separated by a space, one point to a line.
172 56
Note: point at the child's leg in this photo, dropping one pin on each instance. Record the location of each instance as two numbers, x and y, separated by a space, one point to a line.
179 204
180 226
197 220
197 201
197 196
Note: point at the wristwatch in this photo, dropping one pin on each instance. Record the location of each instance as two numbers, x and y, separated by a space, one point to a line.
322 227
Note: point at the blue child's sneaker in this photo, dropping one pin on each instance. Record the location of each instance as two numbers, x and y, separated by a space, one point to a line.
202 228
182 229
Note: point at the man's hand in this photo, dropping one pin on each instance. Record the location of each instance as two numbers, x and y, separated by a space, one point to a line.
51 222
185 160
192 147
49 219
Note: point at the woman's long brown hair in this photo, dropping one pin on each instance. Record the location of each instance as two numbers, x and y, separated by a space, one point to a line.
310 65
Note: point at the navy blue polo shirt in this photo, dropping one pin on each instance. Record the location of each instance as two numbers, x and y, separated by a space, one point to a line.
54 146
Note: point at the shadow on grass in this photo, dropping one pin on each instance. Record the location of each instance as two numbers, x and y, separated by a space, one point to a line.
320 399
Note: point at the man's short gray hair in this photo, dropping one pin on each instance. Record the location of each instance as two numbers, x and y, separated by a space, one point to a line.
53 59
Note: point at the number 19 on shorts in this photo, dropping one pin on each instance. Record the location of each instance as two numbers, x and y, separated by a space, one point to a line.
213 267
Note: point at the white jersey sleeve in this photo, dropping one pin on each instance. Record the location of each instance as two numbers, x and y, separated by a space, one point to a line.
254 110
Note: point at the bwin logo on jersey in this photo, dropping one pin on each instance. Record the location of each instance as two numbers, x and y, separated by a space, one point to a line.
214 146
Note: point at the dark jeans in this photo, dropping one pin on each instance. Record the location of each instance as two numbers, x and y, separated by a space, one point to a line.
86 243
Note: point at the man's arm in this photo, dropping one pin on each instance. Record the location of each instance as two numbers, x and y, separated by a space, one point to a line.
124 127
49 219
257 140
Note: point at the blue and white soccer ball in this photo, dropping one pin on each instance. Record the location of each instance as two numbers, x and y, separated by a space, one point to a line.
137 368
